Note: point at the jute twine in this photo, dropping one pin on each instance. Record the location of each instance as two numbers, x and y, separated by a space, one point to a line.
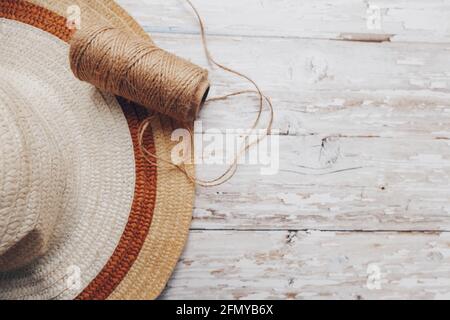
126 65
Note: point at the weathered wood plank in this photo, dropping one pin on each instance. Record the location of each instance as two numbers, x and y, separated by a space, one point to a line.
364 145
313 265
386 105
391 128
394 128
330 87
339 183
399 20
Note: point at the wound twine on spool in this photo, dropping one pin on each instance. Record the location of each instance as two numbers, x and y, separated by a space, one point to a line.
136 69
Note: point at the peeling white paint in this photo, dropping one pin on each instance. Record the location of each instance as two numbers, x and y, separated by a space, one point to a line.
382 107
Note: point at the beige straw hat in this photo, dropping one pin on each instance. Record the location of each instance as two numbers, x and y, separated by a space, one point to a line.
82 214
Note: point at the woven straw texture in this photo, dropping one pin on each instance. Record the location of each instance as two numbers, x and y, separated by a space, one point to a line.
88 183
143 260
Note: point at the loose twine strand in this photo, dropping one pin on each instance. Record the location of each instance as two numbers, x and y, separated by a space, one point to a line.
231 170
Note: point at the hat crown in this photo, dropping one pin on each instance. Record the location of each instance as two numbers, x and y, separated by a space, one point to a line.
32 180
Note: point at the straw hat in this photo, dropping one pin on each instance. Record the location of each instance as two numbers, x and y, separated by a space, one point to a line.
82 215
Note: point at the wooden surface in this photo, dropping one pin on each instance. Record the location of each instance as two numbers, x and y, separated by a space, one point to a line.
360 207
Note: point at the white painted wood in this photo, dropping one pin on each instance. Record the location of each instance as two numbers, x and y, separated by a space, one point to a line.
313 265
378 117
329 87
356 183
400 20
364 145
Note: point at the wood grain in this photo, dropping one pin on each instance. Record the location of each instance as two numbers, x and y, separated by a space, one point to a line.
401 20
340 183
329 87
373 117
361 198
313 265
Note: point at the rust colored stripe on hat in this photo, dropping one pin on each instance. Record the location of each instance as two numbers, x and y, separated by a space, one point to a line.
140 217
139 220
36 16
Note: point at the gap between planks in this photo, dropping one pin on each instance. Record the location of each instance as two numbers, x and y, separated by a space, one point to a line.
381 231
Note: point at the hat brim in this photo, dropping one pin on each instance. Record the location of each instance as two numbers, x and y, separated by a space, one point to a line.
160 215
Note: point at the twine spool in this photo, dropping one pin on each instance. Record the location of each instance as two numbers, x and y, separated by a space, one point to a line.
136 69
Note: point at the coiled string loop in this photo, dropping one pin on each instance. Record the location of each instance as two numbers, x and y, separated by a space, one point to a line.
136 69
